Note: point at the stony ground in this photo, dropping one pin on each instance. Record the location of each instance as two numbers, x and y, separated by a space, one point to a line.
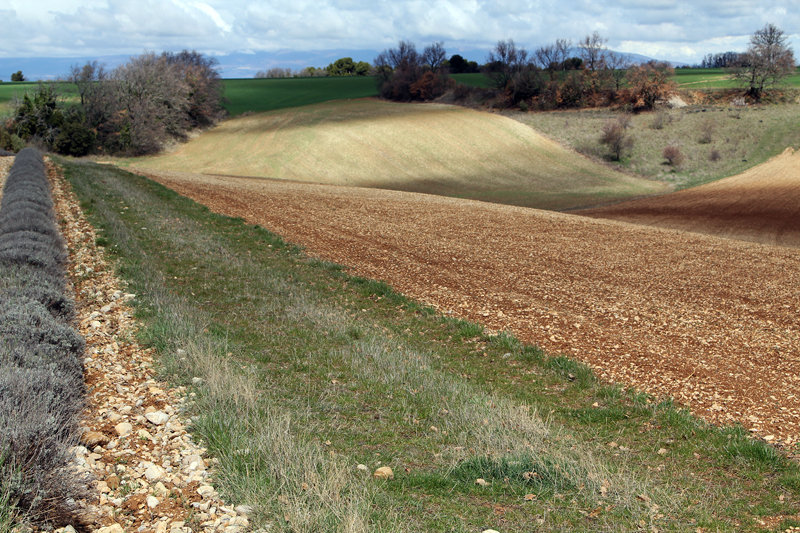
5 166
711 322
149 476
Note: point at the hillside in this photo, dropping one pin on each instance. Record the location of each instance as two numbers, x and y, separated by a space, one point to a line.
429 148
761 205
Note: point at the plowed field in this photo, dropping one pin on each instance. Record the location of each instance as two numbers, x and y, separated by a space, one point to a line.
760 205
709 321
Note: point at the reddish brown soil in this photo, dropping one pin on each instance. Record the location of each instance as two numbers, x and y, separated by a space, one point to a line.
712 322
760 205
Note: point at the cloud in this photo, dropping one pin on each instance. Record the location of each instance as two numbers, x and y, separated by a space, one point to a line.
681 30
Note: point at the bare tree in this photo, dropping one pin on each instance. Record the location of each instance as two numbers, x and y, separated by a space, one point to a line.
434 56
593 51
767 61
553 57
617 65
203 81
87 78
152 99
505 61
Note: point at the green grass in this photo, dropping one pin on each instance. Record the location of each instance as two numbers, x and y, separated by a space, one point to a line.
716 78
10 92
473 80
255 95
742 137
307 372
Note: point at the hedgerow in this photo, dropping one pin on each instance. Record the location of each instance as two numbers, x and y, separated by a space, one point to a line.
41 371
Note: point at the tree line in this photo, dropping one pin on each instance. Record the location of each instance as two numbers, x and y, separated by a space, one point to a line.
133 109
550 77
564 75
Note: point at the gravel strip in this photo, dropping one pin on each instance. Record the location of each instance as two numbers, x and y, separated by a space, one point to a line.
5 166
150 475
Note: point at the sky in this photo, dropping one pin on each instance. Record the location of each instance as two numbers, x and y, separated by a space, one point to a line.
663 29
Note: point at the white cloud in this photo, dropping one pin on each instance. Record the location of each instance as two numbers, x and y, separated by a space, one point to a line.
682 30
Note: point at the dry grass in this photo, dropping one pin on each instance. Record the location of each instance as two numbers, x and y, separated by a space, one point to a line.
430 148
741 138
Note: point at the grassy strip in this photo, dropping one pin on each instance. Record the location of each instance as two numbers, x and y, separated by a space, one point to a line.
304 372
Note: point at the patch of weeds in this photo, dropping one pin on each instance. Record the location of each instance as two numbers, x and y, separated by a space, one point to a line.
101 241
531 354
610 392
601 415
574 371
788 523
465 329
505 341
791 482
525 471
754 452
354 332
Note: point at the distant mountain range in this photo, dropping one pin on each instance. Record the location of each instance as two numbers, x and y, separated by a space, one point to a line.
235 65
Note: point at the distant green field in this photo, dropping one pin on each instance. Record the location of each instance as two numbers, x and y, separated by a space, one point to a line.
11 91
267 94
715 78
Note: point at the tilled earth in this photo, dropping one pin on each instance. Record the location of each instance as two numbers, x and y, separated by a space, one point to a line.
759 205
709 321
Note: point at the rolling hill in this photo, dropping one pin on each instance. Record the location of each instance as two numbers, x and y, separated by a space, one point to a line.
760 205
429 148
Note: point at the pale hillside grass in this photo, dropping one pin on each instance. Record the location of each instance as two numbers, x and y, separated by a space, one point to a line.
432 148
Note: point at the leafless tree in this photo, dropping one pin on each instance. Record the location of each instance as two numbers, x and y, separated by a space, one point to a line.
505 61
617 65
767 61
434 56
203 81
593 51
152 99
87 78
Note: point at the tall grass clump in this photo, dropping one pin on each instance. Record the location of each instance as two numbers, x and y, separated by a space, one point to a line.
41 374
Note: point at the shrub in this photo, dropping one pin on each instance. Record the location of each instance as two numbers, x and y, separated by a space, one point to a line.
707 131
41 373
660 119
715 155
673 155
615 137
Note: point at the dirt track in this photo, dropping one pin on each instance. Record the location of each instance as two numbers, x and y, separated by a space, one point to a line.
709 321
759 205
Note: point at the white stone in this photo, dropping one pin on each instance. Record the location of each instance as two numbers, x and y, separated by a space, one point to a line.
152 502
154 473
205 490
158 418
244 509
123 428
114 528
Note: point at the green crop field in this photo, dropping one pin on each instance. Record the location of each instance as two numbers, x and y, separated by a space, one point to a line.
9 92
254 95
716 78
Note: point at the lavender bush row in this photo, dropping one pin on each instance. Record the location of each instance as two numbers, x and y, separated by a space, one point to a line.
41 371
